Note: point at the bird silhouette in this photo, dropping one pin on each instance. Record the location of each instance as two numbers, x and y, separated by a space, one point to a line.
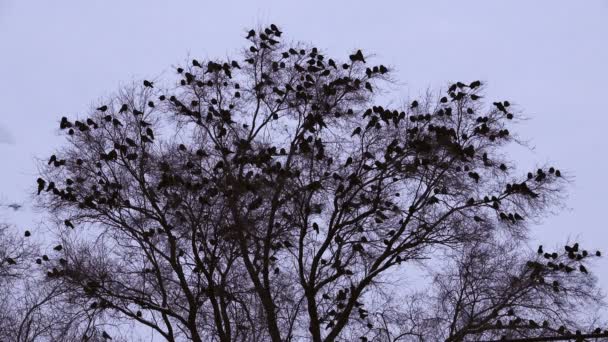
68 223
102 108
357 57
123 108
106 336
250 34
41 184
27 233
58 248
148 84
475 84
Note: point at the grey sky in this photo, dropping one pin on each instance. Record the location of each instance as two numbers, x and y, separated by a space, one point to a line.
550 58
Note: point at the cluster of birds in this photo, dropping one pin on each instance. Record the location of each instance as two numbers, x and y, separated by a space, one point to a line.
573 253
339 301
532 324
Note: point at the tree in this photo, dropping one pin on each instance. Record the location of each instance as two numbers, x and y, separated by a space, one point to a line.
268 198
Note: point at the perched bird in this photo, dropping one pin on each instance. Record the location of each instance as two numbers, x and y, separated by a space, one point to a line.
414 104
250 34
11 261
106 336
102 108
58 248
123 108
196 63
475 84
27 233
357 57
357 131
148 84
68 223
41 184
540 249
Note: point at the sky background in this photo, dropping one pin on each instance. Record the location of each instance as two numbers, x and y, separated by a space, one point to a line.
549 58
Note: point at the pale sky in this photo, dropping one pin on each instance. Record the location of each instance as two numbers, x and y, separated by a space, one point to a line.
550 58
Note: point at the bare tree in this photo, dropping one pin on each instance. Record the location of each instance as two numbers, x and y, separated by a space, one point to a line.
268 199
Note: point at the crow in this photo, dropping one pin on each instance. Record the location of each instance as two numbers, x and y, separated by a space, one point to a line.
357 56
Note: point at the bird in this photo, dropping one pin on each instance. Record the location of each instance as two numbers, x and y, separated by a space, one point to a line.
583 269
475 84
52 159
41 184
102 108
235 64
11 261
598 253
68 223
357 131
123 108
414 104
106 336
58 248
196 63
250 34
368 86
148 84
540 249
357 56
14 206
27 233
64 123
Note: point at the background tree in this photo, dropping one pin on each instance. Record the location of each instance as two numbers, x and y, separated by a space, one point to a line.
268 198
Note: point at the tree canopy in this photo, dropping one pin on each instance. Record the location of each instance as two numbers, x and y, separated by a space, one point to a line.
270 197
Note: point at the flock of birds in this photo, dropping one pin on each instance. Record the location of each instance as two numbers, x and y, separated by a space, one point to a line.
443 135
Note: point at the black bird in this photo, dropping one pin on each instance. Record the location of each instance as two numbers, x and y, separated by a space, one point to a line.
368 86
64 123
45 258
474 84
39 261
148 84
11 261
357 131
357 56
414 104
540 249
58 248
102 108
235 64
52 159
598 253
130 142
123 108
27 233
41 184
106 336
68 223
583 269
250 34
196 63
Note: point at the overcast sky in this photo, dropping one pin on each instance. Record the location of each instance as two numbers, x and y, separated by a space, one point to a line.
550 58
